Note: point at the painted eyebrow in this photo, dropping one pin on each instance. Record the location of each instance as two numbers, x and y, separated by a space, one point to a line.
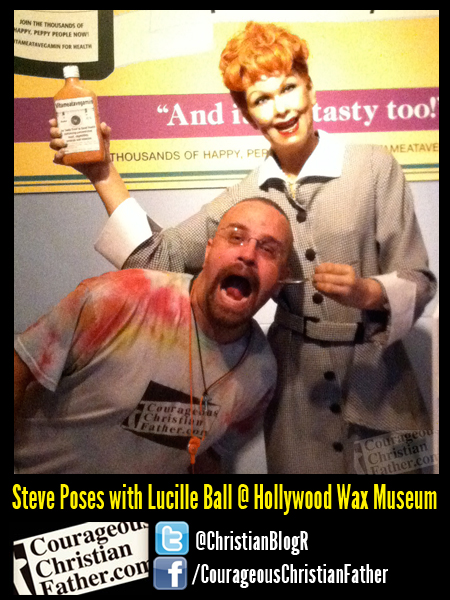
266 93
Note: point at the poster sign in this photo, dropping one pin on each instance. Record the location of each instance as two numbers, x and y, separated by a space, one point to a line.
174 125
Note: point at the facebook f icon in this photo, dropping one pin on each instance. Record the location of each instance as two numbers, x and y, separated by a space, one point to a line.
174 571
169 573
172 537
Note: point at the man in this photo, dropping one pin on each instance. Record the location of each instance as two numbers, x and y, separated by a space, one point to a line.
135 369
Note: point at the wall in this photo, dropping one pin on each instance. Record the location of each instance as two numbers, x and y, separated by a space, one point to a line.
55 233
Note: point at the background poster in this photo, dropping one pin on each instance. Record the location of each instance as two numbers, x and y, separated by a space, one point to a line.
174 124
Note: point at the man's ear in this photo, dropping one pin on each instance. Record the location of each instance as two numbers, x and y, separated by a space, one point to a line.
208 247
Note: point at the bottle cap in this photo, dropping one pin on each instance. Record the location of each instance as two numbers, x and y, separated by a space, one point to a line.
71 71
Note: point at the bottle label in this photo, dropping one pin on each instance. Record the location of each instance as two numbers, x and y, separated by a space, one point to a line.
76 121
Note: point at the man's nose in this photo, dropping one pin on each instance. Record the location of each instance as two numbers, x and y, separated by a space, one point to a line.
248 251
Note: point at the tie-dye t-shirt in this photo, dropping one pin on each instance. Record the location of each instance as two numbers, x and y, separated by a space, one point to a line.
112 394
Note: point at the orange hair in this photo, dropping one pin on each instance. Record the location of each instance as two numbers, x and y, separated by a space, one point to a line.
261 49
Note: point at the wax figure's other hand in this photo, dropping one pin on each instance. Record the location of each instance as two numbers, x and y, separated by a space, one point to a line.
340 283
93 171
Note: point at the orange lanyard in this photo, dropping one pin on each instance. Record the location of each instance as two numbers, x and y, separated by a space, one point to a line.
194 442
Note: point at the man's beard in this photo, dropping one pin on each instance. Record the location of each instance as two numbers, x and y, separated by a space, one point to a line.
224 316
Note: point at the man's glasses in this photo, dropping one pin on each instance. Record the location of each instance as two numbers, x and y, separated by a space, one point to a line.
267 247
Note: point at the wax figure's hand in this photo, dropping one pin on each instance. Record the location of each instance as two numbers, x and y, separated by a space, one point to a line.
340 283
93 171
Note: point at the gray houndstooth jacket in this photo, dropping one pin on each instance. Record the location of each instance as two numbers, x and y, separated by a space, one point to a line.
343 374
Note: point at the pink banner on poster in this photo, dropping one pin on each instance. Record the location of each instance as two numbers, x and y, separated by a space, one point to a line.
215 115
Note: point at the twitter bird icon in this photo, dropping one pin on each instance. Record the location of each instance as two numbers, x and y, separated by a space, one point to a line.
172 538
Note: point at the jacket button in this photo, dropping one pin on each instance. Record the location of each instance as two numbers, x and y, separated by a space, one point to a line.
310 254
330 375
338 446
335 408
301 216
317 298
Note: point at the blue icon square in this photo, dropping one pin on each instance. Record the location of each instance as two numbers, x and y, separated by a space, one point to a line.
170 573
172 537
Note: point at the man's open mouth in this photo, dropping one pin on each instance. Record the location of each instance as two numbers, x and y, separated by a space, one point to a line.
236 287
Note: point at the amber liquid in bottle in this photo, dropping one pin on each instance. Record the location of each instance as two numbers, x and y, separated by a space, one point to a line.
78 120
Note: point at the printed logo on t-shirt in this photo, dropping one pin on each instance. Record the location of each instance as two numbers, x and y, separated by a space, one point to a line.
163 415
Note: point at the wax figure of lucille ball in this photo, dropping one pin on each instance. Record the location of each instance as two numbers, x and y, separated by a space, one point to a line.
136 371
343 372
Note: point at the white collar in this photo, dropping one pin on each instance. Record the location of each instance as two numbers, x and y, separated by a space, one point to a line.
325 161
